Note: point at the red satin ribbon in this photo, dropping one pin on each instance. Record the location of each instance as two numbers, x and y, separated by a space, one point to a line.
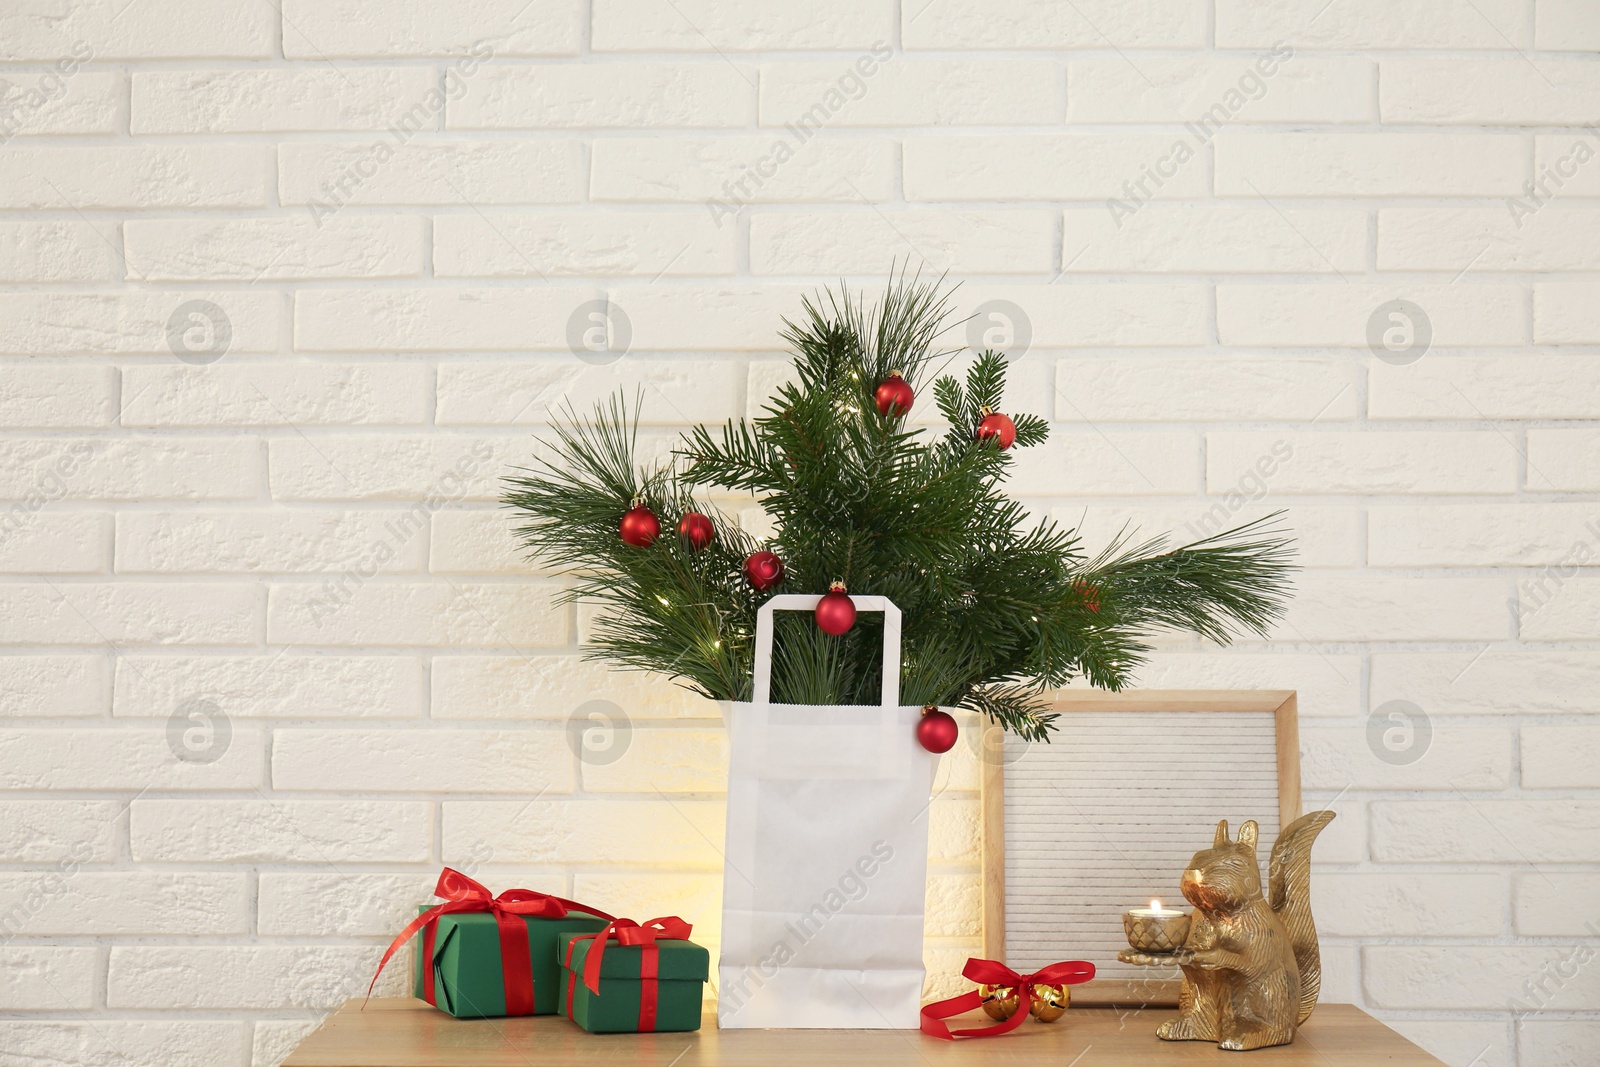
993 972
628 932
463 894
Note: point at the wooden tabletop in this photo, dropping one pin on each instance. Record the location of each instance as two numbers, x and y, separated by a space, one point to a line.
402 1032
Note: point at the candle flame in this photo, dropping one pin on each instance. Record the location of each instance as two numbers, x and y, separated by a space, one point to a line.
1155 905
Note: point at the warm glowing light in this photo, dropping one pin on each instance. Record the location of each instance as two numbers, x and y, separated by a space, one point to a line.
1155 905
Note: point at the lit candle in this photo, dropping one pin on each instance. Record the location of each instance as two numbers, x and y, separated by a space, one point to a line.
1155 911
1156 929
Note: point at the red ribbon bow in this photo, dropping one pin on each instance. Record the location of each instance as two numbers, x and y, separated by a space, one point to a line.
628 932
461 894
993 972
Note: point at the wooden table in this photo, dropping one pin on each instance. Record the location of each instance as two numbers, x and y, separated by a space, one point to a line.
401 1032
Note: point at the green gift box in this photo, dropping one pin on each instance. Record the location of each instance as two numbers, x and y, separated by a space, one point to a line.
468 981
681 971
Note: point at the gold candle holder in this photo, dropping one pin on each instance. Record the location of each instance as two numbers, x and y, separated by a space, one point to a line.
1156 929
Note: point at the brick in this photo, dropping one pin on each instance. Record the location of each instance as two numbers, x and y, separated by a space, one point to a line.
123 759
1492 681
1345 839
344 904
276 686
1349 608
954 835
655 761
275 541
552 687
54 686
280 831
476 542
1457 757
1490 91
56 396
743 25
1084 314
1557 1042
1565 25
276 394
1259 165
1337 313
1413 24
277 249
105 1041
1528 385
193 977
182 29
325 176
315 99
1047 166
712 93
47 978
1566 458
707 318
272 1040
1516 832
126 903
1566 312
79 102
1016 24
436 320
854 241
1270 87
528 392
134 613
57 250
1486 239
61 831
1202 238
1454 1039
430 761
81 178
1482 535
680 835
1371 903
1390 461
1560 168
560 243
318 30
725 173
1542 903
62 543
695 897
1117 464
454 614
876 90
433 470
1473 977
1328 685
126 323
39 471
1212 389
1560 757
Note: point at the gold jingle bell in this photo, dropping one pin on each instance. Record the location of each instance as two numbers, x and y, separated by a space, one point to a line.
1049 1002
999 1001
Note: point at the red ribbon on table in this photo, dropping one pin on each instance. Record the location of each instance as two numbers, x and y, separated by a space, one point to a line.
628 932
993 972
463 894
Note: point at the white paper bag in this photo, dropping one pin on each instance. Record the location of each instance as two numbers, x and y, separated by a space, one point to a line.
827 853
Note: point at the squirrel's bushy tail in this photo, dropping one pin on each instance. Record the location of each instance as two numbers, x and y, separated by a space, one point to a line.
1289 893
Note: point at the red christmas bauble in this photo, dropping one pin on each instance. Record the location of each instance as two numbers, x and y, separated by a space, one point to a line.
639 527
936 730
763 570
836 612
1091 593
894 395
696 529
999 428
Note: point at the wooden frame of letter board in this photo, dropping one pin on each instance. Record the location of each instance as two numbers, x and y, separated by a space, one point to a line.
1279 703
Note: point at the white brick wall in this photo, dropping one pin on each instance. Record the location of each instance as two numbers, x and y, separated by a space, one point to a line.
402 208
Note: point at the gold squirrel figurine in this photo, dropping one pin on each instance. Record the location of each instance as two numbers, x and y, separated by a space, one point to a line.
1251 966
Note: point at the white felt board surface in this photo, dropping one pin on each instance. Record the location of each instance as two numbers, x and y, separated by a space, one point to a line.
1107 816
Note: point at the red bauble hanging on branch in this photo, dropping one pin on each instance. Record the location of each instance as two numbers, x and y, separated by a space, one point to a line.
937 730
997 428
894 395
836 612
696 529
639 526
763 570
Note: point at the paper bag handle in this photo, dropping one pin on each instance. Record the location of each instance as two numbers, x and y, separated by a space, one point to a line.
808 602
